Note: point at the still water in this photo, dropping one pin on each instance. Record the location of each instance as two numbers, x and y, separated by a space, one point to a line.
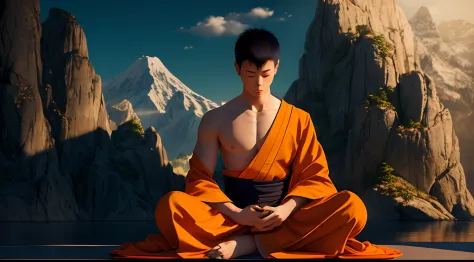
26 237
117 232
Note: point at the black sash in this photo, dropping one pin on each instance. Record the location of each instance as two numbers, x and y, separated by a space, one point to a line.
244 192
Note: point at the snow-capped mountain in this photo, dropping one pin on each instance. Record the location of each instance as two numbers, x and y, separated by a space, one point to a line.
460 35
441 60
161 100
459 30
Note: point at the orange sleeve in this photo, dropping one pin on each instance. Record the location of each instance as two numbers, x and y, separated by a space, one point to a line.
310 173
199 183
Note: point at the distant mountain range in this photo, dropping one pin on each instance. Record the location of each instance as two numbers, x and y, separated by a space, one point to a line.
161 100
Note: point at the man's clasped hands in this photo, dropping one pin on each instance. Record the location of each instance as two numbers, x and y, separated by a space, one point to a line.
262 218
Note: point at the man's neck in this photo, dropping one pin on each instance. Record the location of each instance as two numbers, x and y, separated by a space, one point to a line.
257 104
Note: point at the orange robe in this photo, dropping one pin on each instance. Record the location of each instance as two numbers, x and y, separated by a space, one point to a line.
324 228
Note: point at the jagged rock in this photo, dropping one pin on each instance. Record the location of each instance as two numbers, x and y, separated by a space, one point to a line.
76 93
361 81
384 207
30 180
122 112
447 63
90 177
142 161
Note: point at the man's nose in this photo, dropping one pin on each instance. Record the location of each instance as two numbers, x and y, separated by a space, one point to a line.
260 80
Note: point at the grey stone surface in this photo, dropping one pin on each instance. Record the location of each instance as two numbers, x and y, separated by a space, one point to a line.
353 51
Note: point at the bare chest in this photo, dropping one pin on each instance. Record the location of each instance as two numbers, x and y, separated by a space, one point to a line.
243 136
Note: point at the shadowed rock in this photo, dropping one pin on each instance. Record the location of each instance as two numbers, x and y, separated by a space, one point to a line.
30 179
361 81
57 159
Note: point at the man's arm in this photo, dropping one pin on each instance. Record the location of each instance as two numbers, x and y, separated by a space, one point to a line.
207 149
294 203
310 173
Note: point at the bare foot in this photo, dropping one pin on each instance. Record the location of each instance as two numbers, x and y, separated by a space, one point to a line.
237 247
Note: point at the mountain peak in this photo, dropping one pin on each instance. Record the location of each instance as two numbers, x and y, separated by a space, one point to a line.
424 12
153 63
161 100
423 24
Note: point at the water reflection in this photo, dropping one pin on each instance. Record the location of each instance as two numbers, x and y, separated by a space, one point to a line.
115 233
432 231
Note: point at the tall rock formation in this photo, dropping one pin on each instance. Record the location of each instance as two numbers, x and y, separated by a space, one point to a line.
30 179
72 97
57 159
449 65
377 114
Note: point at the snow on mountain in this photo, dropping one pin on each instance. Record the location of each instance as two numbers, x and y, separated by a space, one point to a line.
161 100
460 35
440 60
457 31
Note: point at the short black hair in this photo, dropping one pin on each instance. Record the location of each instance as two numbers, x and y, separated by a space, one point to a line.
257 45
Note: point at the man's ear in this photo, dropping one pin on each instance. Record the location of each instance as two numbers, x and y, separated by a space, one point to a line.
276 66
237 68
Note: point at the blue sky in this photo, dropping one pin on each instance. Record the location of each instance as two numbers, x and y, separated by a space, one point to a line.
119 32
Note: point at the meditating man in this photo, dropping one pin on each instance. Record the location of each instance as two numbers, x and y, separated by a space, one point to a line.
278 198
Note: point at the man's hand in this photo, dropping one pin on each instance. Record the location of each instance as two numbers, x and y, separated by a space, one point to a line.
274 219
250 216
280 213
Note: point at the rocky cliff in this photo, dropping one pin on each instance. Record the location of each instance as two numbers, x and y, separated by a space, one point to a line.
378 115
449 65
30 177
57 158
121 113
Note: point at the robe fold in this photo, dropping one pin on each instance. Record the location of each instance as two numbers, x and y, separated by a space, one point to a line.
324 228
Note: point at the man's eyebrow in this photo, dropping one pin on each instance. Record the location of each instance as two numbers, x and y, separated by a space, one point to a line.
254 72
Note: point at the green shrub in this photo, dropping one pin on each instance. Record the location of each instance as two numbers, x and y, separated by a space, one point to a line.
383 47
381 100
363 30
409 125
393 185
136 126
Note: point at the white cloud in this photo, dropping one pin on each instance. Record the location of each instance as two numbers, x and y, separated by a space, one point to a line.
187 47
218 25
231 24
259 12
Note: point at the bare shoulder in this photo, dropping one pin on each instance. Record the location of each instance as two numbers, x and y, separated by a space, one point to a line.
212 119
208 120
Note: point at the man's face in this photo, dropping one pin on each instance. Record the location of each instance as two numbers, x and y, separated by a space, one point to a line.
257 81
